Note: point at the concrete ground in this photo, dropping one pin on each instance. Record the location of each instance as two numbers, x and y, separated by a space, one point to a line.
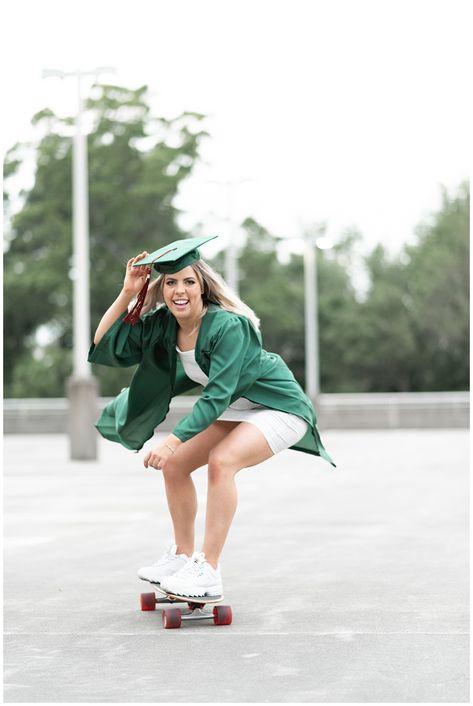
347 584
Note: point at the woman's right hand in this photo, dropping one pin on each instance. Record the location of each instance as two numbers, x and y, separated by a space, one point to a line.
135 277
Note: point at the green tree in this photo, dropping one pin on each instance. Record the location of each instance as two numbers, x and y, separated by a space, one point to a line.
410 331
437 295
386 347
414 324
275 291
136 164
339 316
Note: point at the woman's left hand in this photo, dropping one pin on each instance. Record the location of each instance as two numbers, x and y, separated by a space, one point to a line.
157 457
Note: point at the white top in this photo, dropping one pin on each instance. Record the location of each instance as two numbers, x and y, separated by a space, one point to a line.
193 372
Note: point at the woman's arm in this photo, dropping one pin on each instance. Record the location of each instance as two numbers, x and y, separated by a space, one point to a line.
135 278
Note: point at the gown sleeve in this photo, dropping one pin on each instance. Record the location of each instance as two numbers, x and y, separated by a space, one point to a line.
235 354
123 344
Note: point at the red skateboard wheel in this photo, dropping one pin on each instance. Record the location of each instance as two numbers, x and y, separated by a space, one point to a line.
172 618
222 615
148 601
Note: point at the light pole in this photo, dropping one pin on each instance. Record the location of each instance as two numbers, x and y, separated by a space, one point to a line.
82 386
231 257
311 311
311 327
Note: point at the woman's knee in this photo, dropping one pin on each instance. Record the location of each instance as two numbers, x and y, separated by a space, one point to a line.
174 469
221 466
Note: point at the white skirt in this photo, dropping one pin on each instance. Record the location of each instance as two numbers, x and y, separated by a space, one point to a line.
280 429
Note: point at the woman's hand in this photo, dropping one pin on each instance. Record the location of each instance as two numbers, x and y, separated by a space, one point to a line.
157 457
135 277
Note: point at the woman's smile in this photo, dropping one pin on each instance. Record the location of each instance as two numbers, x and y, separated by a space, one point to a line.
180 303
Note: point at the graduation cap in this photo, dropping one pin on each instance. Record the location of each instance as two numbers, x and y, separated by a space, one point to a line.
167 260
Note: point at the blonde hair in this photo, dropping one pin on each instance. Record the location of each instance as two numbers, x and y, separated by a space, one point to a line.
215 291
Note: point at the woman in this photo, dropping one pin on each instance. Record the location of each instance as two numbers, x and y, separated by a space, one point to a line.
250 408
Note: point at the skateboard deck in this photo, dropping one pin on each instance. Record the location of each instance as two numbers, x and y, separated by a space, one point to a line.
173 617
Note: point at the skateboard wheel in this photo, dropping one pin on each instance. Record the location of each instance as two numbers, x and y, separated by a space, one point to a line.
148 601
172 618
222 615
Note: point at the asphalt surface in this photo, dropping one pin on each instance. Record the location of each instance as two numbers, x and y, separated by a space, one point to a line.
347 584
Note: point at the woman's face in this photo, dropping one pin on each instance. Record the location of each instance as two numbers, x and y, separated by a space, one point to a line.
183 295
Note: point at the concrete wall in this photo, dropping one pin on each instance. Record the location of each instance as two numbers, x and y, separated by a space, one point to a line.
398 410
435 410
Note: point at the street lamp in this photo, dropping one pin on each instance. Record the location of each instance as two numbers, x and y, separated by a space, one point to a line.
81 387
231 257
311 312
311 241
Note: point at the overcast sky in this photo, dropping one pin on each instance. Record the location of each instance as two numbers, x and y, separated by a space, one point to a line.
352 112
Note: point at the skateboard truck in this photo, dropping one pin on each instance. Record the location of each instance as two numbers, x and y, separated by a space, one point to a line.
173 617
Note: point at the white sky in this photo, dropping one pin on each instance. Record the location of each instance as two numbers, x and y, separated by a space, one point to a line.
352 112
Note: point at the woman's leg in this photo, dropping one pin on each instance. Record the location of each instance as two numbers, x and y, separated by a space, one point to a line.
243 447
180 489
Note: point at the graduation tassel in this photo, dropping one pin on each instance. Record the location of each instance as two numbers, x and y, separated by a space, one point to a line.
134 314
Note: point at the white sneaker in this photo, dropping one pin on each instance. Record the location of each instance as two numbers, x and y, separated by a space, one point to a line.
169 564
196 579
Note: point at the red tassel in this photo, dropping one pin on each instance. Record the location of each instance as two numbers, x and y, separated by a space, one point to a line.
133 316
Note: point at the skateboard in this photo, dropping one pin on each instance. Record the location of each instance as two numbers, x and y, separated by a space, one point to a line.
173 617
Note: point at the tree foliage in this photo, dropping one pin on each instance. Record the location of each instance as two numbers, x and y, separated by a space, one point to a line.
437 295
136 164
409 331
276 292
414 323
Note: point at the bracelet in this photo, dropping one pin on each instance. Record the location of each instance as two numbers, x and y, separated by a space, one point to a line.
170 448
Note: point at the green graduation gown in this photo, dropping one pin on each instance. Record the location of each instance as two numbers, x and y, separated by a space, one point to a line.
228 350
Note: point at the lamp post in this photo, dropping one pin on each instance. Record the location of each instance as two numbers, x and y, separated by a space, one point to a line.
231 257
81 386
311 311
310 242
311 328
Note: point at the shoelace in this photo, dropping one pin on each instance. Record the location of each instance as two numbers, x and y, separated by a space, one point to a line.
168 555
194 566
